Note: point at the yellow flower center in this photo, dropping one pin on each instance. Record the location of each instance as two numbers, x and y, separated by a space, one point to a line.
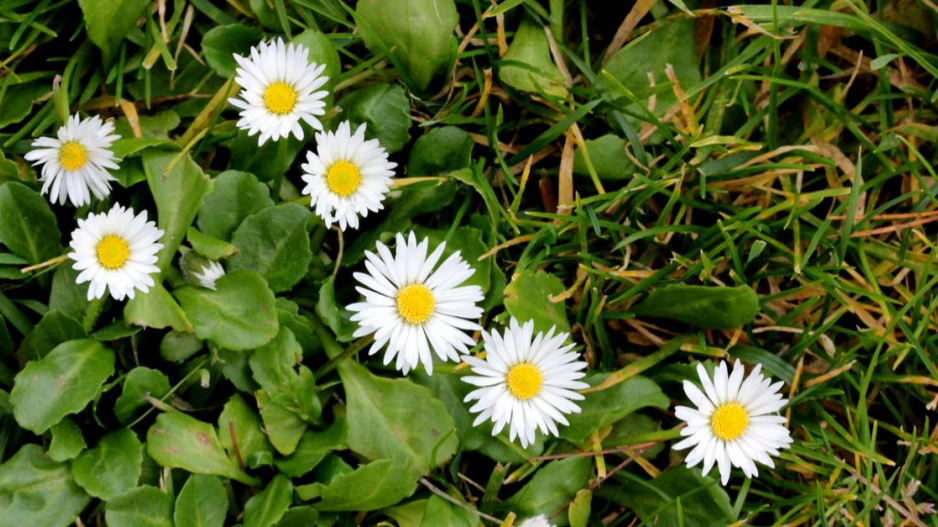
280 98
343 178
72 155
524 380
112 252
415 303
729 421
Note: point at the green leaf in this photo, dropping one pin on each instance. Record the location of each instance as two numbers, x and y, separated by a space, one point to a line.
108 22
536 72
222 42
299 517
238 315
27 224
67 296
202 502
370 487
384 108
605 407
440 152
527 297
140 382
272 366
396 418
283 426
112 467
177 347
314 446
275 243
607 154
54 328
579 511
322 51
180 441
288 313
440 513
418 34
552 487
238 416
34 490
177 185
333 313
17 104
268 162
209 247
265 508
156 309
237 195
60 384
409 514
140 507
468 241
67 441
703 503
701 306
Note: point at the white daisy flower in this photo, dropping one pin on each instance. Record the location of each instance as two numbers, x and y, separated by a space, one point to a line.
278 89
412 308
211 272
525 380
116 250
75 163
349 177
537 521
735 422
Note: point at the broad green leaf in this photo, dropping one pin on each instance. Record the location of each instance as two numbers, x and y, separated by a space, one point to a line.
579 511
553 486
27 224
706 307
61 383
607 153
299 517
177 347
267 162
54 328
605 407
333 313
265 508
238 315
703 503
313 447
209 247
155 129
237 195
273 367
536 71
108 22
115 331
283 426
177 185
275 243
288 313
240 418
202 502
140 382
112 467
67 296
440 152
370 487
440 513
409 514
67 441
37 491
17 104
179 441
468 241
156 309
396 418
322 51
772 364
527 297
221 43
140 507
384 109
418 34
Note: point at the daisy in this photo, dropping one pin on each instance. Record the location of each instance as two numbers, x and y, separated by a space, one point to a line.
525 380
735 422
412 308
349 177
278 89
537 521
116 250
210 272
75 163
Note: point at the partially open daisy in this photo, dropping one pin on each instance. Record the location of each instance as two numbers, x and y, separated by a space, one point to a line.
735 422
210 272
412 308
348 177
116 250
526 381
279 88
75 163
